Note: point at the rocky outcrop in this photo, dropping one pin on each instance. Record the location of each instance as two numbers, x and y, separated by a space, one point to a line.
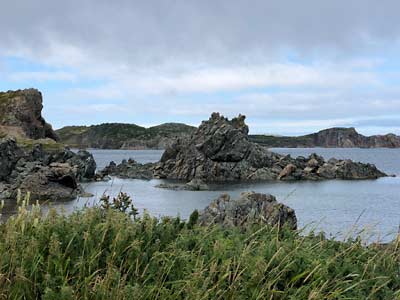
250 208
45 175
21 115
128 169
330 138
220 150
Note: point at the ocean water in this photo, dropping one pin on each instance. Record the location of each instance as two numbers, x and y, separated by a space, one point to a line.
337 207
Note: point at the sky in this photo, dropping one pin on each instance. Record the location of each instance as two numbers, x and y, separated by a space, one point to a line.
292 67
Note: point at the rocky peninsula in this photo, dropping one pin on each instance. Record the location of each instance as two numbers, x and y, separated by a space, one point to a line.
337 137
220 150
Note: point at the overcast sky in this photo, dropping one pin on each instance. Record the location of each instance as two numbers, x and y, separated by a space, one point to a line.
292 67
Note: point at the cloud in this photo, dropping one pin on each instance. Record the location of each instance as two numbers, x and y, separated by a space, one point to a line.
41 76
152 32
286 62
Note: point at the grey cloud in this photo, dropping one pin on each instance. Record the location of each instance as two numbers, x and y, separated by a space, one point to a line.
216 31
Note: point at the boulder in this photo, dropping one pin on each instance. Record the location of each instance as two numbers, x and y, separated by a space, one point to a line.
287 171
249 209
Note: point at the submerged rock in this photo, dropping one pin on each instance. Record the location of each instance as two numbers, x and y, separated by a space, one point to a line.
193 185
250 208
220 150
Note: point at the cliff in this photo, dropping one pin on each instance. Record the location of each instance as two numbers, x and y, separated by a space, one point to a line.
123 136
330 138
21 115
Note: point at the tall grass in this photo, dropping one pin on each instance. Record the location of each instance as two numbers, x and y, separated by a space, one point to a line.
102 253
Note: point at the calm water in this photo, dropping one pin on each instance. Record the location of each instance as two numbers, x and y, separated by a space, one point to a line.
336 207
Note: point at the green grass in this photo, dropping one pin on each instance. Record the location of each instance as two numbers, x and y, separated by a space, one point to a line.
48 144
103 254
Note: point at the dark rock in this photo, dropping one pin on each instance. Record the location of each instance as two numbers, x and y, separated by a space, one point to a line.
250 208
83 162
56 182
45 175
220 151
9 156
129 169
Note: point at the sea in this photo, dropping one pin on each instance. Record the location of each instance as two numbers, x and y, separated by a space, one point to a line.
341 209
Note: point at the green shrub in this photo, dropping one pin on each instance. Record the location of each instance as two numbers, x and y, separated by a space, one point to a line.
104 254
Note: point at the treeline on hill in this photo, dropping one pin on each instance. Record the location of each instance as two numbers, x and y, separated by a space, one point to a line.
104 253
119 135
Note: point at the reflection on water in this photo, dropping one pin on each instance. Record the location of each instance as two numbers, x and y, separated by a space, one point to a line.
333 206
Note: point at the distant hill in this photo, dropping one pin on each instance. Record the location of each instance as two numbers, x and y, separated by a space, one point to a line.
123 136
336 137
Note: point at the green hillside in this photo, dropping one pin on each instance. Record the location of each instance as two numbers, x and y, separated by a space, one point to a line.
119 135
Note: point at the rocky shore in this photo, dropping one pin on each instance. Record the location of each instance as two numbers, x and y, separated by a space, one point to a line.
220 150
45 175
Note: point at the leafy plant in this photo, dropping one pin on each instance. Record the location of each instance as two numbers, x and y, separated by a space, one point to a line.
123 203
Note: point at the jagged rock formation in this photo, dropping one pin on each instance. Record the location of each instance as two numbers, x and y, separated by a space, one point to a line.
128 169
220 150
45 175
249 209
123 136
21 115
330 138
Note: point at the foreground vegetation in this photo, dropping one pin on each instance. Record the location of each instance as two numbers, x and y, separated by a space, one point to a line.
103 253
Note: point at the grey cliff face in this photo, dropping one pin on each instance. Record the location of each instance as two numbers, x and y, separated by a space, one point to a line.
22 110
250 208
220 150
336 137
